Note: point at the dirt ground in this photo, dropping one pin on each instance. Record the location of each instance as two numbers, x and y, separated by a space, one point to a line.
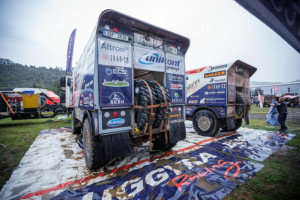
293 114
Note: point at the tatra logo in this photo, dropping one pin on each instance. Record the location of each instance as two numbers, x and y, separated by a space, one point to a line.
152 58
111 47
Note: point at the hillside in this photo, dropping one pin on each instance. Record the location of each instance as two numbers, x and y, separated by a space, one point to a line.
22 76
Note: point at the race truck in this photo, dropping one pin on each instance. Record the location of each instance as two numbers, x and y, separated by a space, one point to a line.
129 88
218 97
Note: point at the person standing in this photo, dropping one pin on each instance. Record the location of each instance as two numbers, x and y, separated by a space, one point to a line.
282 113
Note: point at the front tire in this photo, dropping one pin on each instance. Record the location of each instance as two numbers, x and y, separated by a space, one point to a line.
91 144
206 123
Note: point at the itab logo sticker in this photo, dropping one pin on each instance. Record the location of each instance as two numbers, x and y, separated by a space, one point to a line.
116 122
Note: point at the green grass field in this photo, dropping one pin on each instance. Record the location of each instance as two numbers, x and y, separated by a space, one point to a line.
17 136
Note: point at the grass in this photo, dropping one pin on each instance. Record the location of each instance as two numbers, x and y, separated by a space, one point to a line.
17 136
280 178
257 110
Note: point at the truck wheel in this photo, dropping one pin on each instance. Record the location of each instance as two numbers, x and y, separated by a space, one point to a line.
206 123
74 121
92 153
292 104
159 98
160 143
142 98
238 124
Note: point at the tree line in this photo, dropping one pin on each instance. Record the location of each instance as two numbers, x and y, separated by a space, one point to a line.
23 76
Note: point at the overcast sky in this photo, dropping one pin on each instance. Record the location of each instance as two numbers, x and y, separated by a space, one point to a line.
36 32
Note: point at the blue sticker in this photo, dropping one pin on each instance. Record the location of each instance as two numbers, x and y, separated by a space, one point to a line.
210 95
115 122
115 86
176 87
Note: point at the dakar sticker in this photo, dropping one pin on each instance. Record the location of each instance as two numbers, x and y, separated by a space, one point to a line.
115 83
214 74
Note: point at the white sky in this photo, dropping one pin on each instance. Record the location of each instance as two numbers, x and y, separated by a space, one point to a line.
36 32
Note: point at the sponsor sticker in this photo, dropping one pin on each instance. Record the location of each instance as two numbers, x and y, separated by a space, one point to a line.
214 74
116 98
193 84
211 68
116 122
115 83
192 101
176 86
116 70
147 59
174 64
175 115
177 78
114 53
214 80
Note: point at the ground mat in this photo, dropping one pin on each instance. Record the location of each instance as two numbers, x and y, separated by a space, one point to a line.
196 168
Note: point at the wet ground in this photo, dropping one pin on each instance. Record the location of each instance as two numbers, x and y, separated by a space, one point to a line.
197 167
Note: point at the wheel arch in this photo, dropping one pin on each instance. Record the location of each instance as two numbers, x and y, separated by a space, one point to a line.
88 115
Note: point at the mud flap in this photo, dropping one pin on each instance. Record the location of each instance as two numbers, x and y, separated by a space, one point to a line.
177 132
115 145
230 123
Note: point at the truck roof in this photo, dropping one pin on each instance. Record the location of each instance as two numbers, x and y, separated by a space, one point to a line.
225 67
143 26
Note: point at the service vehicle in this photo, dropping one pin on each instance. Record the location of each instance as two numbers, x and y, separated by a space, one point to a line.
291 99
218 97
129 87
29 103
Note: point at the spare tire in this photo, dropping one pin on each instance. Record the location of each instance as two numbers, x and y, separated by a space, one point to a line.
159 98
142 98
63 81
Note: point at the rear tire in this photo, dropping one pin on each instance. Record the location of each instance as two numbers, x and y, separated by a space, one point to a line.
237 122
91 144
206 123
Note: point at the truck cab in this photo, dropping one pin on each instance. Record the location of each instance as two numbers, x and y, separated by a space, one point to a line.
129 86
218 97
